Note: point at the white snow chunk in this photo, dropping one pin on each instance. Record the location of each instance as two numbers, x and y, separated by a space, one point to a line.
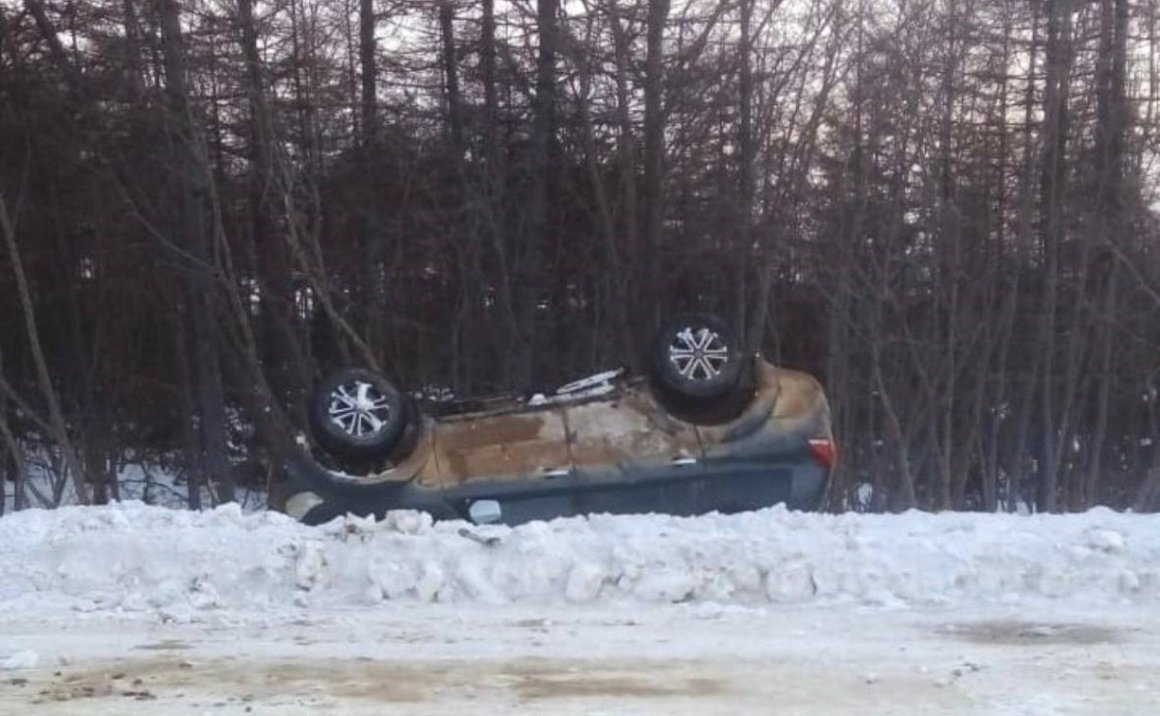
21 660
1105 540
584 582
791 582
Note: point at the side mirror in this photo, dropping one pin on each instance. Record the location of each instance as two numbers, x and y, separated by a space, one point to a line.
484 512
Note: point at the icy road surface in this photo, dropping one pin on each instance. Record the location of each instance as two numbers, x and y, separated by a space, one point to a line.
135 610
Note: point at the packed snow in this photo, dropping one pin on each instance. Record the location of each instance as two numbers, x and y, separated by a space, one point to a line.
133 557
235 612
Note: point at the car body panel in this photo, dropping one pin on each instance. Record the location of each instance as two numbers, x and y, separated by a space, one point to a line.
628 431
507 445
618 452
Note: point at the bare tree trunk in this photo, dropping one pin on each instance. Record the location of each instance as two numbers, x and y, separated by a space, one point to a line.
1053 179
531 280
654 160
904 497
451 77
999 405
281 356
1018 458
612 283
374 236
487 72
1149 490
195 463
192 228
52 37
15 468
467 333
495 215
7 469
133 69
952 239
628 188
369 69
1112 117
749 254
44 378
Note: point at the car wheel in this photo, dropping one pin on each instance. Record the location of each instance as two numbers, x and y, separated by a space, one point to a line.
357 415
697 358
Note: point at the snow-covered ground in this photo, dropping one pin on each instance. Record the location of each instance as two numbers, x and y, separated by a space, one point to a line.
130 609
155 483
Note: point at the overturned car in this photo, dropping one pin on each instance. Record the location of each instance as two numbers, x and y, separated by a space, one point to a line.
710 428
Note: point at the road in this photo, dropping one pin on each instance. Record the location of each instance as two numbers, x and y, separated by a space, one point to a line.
681 659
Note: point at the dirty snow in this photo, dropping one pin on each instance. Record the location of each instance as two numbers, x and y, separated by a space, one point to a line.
133 608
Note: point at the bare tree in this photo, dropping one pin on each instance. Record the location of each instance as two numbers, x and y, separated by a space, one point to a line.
191 229
941 207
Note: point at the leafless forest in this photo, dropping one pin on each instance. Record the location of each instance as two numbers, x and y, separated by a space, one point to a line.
942 208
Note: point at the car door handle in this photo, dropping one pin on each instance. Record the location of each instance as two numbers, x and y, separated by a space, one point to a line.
684 461
554 471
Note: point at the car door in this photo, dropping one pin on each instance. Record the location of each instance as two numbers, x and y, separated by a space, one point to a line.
630 456
628 433
509 447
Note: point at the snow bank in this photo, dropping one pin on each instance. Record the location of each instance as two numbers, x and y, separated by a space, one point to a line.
176 564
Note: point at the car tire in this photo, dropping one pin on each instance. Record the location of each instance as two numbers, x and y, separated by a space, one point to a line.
697 358
357 415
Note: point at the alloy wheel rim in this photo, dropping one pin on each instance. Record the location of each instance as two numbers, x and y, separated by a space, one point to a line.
358 409
698 354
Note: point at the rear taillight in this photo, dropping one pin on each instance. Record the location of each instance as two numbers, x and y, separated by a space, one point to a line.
824 451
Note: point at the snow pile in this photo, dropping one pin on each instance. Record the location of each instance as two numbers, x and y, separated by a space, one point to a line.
177 564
